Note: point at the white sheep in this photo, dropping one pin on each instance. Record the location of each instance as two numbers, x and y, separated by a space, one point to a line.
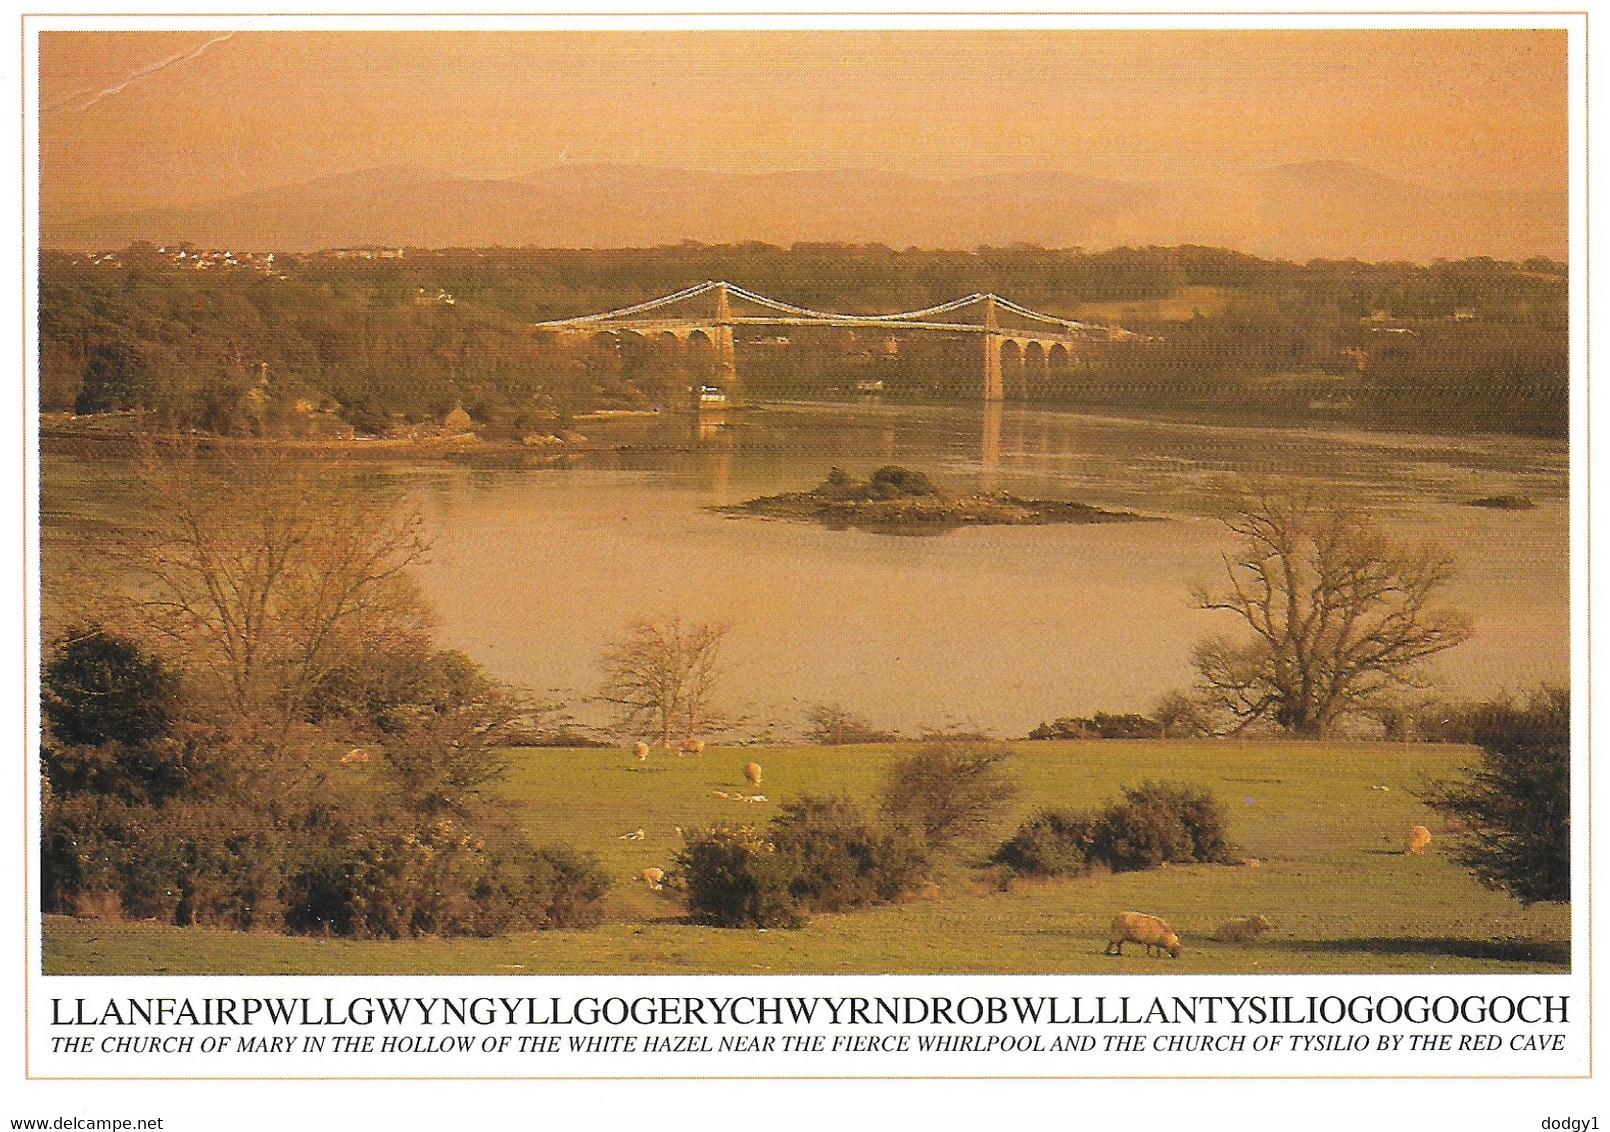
654 878
1419 838
1137 927
640 749
692 747
752 773
356 755
636 835
1242 929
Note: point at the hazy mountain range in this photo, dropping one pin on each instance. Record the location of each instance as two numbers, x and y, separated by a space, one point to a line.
1320 209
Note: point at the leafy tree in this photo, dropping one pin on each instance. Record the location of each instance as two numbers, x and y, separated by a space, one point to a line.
1516 806
388 685
1179 715
116 376
663 675
111 712
949 790
102 688
1338 613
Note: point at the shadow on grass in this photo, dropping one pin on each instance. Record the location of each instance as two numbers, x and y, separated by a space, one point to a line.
1556 952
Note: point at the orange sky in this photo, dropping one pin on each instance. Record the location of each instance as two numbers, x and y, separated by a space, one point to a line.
1483 109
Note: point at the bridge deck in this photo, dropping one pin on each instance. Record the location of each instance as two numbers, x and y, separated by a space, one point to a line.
668 325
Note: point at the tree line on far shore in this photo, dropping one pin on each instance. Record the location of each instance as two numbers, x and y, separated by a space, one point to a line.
322 344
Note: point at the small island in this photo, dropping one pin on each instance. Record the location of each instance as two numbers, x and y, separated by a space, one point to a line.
902 501
1503 503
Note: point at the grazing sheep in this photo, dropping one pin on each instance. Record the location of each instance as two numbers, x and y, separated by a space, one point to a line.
692 747
1137 927
1419 838
1242 929
654 878
752 773
356 755
640 749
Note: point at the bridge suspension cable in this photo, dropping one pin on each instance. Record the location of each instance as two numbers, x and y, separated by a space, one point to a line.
832 316
797 315
635 308
1025 312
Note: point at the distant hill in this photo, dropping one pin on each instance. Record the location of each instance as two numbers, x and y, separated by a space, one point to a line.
1319 209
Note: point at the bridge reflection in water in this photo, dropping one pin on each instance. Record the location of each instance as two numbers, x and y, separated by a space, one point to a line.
1020 346
989 453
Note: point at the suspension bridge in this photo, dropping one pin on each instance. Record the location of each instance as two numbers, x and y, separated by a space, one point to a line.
1017 342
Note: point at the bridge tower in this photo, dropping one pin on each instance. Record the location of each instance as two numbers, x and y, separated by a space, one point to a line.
993 388
726 356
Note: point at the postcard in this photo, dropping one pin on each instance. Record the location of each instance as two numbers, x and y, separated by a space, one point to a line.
785 552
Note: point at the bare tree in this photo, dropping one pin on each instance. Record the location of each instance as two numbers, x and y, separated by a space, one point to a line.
663 675
264 574
1339 613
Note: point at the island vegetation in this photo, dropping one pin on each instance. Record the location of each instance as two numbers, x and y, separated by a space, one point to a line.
900 500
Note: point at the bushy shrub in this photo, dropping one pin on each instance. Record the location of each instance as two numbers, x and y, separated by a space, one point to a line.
1130 837
1156 823
435 771
735 879
443 879
1200 815
950 790
894 482
1051 843
1100 726
577 885
1516 805
81 854
184 863
833 726
349 866
836 859
818 854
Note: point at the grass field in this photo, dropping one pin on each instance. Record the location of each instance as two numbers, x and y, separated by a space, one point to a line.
1332 873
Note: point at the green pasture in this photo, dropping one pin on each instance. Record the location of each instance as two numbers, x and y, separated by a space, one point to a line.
1331 873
